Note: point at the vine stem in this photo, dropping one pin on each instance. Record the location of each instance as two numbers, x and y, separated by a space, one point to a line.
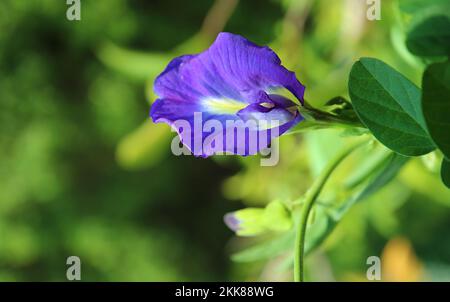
310 197
327 117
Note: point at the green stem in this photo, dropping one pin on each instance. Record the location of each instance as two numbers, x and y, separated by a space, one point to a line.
329 118
310 197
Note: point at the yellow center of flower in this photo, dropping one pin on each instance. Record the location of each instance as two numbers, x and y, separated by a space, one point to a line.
223 105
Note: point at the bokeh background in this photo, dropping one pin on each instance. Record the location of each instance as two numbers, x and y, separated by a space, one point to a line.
84 172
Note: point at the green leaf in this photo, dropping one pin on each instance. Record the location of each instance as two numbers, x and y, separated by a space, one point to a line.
389 106
436 104
445 172
317 231
388 173
322 225
266 249
144 147
430 37
134 64
381 176
277 217
325 219
419 6
375 160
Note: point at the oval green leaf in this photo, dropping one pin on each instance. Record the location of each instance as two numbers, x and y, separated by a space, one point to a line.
389 106
431 37
419 7
436 104
445 172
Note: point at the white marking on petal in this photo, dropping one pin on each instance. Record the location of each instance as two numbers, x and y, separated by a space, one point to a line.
223 105
267 105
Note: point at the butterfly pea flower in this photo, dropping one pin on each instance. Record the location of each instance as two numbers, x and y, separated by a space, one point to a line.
255 221
211 97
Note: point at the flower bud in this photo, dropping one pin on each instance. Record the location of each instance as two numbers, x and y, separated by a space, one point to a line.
255 221
246 222
277 217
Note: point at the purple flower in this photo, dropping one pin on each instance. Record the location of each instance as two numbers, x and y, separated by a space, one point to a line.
212 97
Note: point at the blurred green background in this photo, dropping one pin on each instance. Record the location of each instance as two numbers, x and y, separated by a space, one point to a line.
84 172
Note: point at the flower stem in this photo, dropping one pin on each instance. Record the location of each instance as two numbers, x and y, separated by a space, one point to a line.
310 197
330 118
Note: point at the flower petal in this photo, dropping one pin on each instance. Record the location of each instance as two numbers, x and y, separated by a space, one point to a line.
227 83
232 68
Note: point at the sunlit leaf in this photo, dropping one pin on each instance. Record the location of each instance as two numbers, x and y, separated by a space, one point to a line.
134 64
389 105
382 176
418 6
375 161
266 249
143 147
375 182
317 231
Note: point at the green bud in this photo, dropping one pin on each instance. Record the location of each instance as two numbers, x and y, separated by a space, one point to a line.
246 222
255 221
277 217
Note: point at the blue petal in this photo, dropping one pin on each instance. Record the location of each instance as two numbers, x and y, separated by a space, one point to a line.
227 82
